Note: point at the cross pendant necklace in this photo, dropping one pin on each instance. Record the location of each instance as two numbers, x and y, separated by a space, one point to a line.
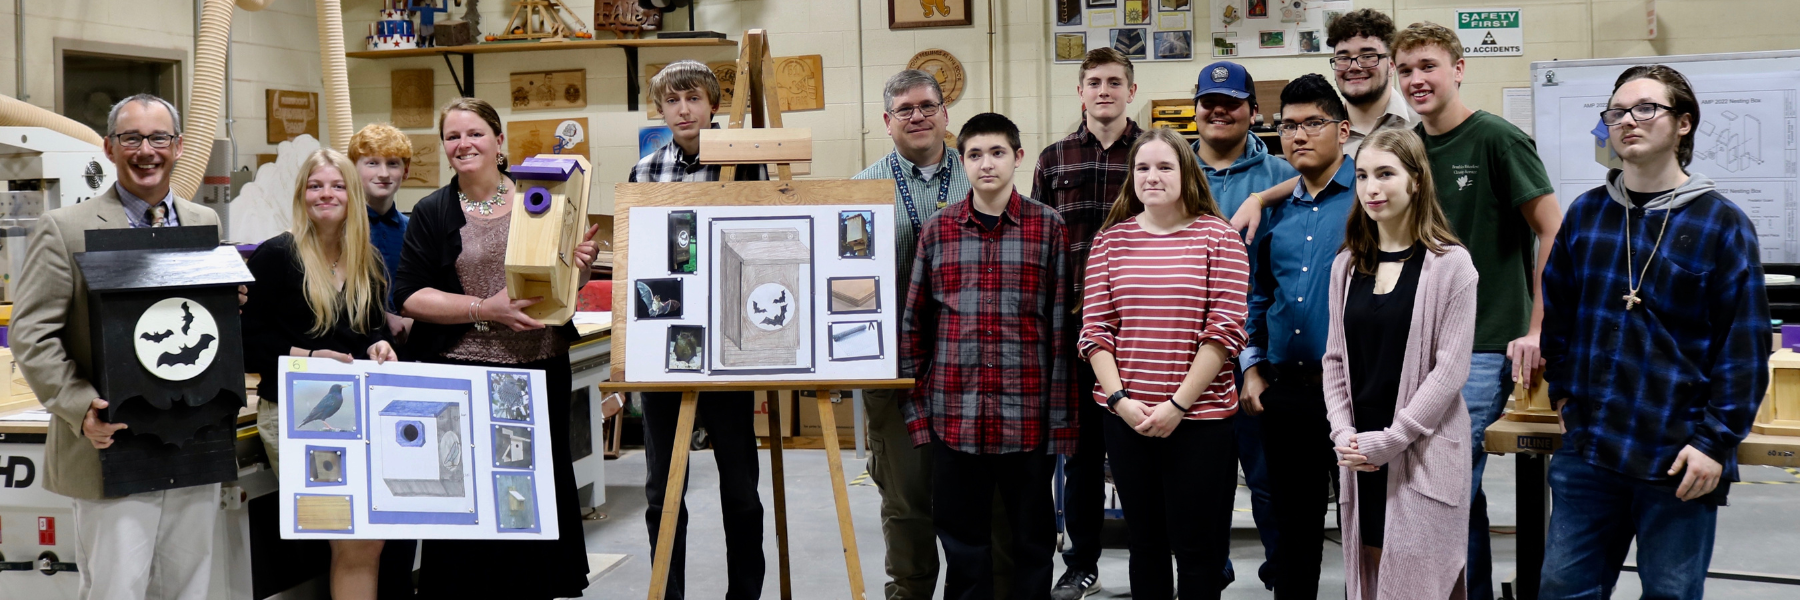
1631 298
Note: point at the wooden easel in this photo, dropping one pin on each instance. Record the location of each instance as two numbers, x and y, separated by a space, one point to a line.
766 143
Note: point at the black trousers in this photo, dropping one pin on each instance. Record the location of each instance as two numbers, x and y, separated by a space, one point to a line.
729 421
964 489
1301 466
1177 493
1084 481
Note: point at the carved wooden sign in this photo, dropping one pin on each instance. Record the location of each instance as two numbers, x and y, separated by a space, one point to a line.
548 136
412 97
625 18
801 81
423 172
943 66
549 90
291 113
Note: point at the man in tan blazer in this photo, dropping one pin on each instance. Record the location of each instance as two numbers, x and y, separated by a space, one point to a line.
50 339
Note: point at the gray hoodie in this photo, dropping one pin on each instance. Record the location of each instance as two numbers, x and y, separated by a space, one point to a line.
1697 185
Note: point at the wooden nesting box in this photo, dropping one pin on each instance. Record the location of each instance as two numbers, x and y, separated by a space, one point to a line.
759 271
547 223
1780 412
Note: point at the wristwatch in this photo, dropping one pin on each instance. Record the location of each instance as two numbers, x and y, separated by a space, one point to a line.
1112 402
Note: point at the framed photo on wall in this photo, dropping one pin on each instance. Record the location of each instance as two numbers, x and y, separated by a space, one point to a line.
908 14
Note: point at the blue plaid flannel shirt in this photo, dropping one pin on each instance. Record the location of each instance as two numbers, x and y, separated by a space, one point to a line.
1688 366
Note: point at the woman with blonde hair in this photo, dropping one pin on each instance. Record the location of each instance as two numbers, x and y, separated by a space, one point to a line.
1397 353
324 268
452 283
1163 316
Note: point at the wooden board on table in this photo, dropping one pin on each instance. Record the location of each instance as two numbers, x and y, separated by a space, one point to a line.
548 90
412 94
736 193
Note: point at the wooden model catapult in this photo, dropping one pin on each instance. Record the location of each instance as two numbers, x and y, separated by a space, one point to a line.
540 20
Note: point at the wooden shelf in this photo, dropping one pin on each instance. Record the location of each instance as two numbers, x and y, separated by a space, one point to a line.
465 85
490 47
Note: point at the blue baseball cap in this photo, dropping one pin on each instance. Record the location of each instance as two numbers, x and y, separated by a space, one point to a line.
1225 77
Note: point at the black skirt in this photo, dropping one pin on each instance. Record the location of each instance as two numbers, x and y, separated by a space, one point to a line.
524 570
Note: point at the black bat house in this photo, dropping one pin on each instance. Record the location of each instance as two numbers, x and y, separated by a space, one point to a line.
178 387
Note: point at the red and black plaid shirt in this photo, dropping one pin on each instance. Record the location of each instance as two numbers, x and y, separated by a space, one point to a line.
1081 180
982 332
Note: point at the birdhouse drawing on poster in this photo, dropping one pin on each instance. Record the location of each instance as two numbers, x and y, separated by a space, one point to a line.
762 294
421 440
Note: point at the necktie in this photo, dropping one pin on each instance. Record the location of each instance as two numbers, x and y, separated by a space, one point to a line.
155 215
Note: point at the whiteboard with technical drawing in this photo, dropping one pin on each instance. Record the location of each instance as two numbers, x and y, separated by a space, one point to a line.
1746 139
414 451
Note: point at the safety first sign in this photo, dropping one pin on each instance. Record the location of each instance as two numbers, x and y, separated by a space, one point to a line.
1490 32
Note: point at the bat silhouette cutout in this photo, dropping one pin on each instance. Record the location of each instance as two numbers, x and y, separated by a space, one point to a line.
779 319
187 318
156 337
658 306
188 355
756 308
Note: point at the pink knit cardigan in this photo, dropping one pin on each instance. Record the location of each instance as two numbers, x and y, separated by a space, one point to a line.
1426 450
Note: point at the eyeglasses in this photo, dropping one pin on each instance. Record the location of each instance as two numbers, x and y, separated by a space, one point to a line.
1366 61
927 110
1640 113
134 140
1312 127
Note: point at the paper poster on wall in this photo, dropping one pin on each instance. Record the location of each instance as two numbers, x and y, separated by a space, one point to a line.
762 292
413 451
1490 32
1152 30
1252 28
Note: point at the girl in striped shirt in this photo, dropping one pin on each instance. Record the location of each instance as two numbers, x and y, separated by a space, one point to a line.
1166 287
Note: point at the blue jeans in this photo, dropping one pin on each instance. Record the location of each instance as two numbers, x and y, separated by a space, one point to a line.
1490 382
1596 513
1256 475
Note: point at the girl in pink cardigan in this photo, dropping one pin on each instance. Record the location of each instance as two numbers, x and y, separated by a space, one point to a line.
1397 355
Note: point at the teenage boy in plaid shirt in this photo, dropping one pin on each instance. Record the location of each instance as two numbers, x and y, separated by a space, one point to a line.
687 93
982 334
1656 331
1080 176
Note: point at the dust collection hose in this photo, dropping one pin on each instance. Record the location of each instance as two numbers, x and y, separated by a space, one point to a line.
337 76
208 94
14 112
209 81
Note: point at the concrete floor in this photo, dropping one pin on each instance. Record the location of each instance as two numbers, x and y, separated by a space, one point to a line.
1759 532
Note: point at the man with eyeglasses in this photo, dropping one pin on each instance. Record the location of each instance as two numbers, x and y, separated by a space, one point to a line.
1656 331
1362 67
927 176
126 546
1497 196
1289 319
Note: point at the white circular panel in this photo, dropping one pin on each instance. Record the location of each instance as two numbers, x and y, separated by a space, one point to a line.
770 307
176 339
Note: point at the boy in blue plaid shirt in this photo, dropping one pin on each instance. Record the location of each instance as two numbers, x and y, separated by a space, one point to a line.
1656 335
687 93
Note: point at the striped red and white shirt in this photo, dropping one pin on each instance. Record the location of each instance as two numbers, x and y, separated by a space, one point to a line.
1153 300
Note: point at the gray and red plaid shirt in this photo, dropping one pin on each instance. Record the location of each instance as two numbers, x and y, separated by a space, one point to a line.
1081 180
982 333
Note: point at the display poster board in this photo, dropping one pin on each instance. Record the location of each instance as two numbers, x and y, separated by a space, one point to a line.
1251 28
761 293
1144 30
1746 139
414 451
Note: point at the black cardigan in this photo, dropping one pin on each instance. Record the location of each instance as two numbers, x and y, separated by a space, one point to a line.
428 260
277 317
